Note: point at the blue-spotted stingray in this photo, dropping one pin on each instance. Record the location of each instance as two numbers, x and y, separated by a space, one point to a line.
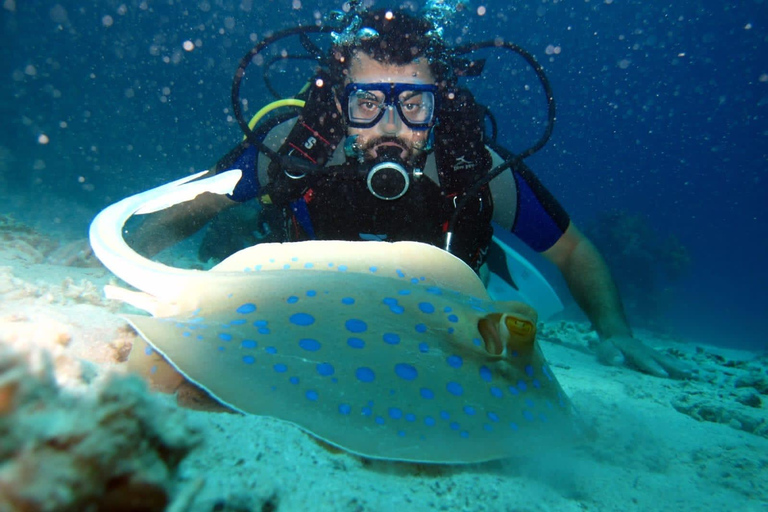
387 350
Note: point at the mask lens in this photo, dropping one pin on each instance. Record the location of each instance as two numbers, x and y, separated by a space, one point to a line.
364 106
417 107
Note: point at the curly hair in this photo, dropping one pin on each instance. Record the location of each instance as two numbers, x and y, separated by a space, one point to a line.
399 39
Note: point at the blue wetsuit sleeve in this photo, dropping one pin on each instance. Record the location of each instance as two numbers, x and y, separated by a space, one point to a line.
245 158
540 221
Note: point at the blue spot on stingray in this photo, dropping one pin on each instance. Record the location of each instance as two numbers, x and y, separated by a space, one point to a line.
223 336
454 361
355 325
379 420
311 395
345 409
406 371
444 415
454 425
447 309
421 328
451 330
427 393
401 433
246 308
529 370
365 374
148 351
270 350
263 330
487 427
234 322
153 370
477 342
373 269
410 417
391 338
249 359
286 266
529 403
280 368
355 343
423 348
309 344
348 301
522 386
454 388
309 265
498 393
543 418
389 301
400 273
260 323
493 416
293 380
302 319
429 421
434 290
414 280
513 426
248 344
404 292
342 268
395 413
536 383
396 309
453 318
464 434
469 410
311 293
513 390
366 411
528 415
485 373
426 307
292 299
325 369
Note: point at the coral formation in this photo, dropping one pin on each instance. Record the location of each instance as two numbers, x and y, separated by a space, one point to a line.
111 446
23 244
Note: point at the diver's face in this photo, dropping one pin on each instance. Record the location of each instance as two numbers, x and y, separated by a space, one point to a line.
390 130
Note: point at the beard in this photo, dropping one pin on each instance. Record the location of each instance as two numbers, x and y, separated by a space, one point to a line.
409 151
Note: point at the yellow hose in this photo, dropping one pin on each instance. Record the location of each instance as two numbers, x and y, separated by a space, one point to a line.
290 102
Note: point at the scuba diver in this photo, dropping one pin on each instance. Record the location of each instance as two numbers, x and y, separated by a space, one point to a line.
388 146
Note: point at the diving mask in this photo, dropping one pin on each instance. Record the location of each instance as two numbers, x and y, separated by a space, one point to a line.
365 104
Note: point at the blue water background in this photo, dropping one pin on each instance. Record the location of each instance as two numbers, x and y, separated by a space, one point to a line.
661 113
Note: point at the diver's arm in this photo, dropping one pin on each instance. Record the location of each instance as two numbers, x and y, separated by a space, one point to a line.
593 288
590 282
172 225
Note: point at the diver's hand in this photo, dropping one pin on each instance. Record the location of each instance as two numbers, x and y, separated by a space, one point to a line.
618 350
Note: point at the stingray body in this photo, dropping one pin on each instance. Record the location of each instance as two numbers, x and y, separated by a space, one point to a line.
373 347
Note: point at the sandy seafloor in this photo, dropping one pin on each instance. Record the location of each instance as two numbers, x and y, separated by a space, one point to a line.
75 431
